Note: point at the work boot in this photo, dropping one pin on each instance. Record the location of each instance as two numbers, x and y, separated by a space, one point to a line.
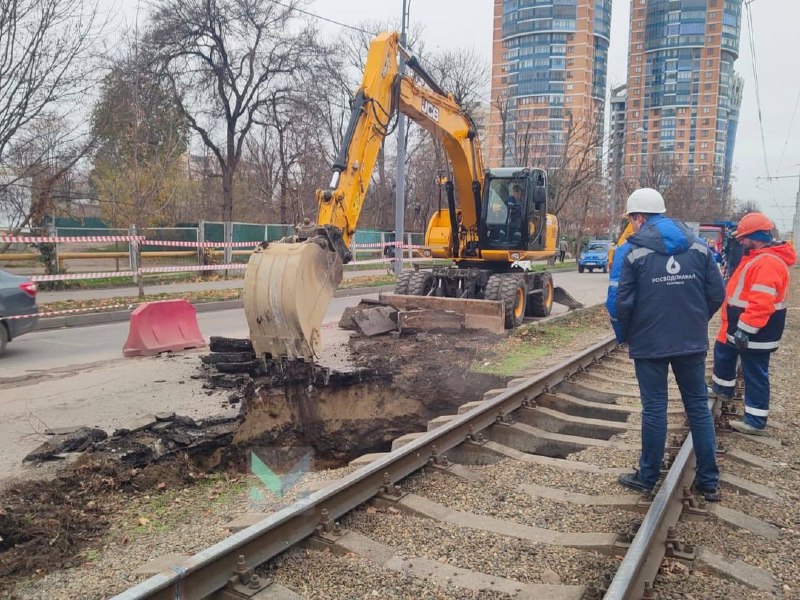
743 427
709 495
632 481
712 395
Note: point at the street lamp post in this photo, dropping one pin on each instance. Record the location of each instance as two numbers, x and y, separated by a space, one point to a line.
642 131
616 140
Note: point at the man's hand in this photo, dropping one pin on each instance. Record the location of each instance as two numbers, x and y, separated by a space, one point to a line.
741 339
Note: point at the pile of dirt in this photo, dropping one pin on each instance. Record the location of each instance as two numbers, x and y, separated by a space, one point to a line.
46 524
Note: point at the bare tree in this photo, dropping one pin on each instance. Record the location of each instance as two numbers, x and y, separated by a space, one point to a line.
688 195
39 160
44 59
45 69
225 60
141 137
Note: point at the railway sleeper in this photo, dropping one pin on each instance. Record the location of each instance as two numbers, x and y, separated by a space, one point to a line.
591 394
421 507
352 542
538 441
579 407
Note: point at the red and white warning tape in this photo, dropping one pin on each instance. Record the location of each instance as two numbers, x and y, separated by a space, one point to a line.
185 244
70 311
24 239
387 245
74 276
228 267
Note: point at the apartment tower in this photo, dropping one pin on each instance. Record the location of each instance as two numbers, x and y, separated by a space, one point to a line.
549 67
683 96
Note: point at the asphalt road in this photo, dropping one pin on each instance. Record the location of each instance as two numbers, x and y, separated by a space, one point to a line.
59 348
40 351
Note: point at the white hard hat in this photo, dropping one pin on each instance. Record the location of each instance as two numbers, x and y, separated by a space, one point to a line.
645 200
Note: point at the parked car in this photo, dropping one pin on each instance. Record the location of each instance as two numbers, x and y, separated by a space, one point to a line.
17 297
594 256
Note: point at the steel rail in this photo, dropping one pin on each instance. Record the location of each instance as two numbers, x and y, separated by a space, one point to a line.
210 570
643 559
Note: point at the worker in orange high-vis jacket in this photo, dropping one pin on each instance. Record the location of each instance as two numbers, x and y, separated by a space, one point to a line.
753 318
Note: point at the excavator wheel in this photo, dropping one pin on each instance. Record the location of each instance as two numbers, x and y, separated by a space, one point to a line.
401 287
420 284
540 305
510 290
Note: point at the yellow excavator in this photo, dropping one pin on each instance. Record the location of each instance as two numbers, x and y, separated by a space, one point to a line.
495 222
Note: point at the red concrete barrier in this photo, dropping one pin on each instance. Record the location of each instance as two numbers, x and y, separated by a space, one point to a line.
164 326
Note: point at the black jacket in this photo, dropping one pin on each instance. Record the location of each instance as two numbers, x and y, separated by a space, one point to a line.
664 288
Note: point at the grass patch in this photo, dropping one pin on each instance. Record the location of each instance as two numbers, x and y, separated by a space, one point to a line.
519 353
193 297
161 510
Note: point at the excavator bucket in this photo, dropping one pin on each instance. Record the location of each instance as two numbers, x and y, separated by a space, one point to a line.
287 289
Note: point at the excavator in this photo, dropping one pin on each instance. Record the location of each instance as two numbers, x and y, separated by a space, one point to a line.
495 222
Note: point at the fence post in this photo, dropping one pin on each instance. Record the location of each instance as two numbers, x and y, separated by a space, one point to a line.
228 250
201 237
53 232
133 255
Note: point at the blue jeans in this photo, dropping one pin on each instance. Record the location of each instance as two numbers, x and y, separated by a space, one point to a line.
689 372
755 368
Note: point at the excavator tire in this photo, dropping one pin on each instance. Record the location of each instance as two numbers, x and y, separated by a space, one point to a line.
510 290
401 287
540 305
420 283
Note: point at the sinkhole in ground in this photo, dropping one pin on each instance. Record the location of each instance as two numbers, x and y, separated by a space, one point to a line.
329 418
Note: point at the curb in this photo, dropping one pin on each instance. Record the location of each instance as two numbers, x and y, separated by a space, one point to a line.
117 316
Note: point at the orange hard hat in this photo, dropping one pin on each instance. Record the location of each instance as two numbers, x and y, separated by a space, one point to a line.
752 222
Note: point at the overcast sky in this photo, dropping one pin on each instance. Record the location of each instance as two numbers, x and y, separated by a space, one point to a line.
455 24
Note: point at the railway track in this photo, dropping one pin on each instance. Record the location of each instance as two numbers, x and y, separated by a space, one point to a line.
484 505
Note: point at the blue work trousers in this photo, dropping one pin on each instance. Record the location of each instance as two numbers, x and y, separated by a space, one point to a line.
755 368
689 372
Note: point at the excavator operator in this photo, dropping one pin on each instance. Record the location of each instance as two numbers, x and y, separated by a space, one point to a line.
514 213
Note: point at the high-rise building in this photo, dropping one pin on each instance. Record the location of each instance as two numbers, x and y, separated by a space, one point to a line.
683 94
616 137
549 65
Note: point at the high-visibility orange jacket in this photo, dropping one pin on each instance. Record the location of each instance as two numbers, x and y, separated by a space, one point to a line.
756 297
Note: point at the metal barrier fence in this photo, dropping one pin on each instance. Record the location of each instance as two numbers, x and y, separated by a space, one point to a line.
157 244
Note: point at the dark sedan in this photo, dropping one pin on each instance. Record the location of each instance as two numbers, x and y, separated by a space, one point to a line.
17 298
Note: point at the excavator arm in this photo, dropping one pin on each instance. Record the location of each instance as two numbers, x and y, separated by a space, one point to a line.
289 284
382 94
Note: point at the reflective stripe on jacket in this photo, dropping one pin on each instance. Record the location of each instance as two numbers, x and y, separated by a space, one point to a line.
756 297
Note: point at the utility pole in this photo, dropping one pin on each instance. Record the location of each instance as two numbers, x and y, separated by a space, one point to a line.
400 190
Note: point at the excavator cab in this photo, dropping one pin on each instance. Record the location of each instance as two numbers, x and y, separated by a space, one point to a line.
514 210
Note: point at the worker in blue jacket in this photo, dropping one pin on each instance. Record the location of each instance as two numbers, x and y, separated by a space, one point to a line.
664 287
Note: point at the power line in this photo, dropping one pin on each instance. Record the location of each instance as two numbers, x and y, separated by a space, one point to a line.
321 18
754 62
789 132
